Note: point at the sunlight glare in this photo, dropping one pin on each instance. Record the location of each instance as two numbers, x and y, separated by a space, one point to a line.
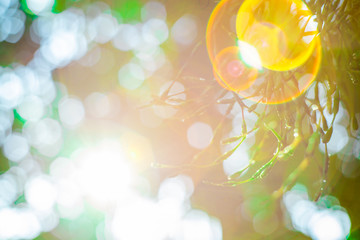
249 55
103 174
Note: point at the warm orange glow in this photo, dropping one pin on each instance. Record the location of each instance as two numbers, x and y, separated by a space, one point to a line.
287 87
282 31
286 41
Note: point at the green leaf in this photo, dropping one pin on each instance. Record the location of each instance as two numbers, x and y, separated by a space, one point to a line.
313 142
336 102
261 172
324 123
232 139
274 132
252 107
354 123
239 173
327 136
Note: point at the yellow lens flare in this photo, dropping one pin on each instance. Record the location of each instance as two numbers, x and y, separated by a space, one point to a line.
276 38
283 31
280 87
231 72
221 31
270 42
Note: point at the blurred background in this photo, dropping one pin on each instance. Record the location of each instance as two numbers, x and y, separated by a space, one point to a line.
111 123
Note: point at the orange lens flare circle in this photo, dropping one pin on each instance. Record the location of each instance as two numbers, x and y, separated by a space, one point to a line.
274 89
286 41
231 72
283 31
271 44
